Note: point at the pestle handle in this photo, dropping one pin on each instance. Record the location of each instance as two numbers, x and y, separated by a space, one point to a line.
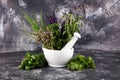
72 42
76 34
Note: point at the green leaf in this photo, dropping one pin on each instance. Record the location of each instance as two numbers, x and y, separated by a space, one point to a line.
32 21
42 22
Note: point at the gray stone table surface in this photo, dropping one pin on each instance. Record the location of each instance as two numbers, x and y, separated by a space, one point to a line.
107 68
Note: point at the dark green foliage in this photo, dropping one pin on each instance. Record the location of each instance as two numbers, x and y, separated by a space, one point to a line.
31 61
80 62
60 36
52 36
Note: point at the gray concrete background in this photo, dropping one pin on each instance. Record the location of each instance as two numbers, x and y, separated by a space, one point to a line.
101 29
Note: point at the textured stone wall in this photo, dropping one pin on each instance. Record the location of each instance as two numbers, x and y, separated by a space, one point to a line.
100 31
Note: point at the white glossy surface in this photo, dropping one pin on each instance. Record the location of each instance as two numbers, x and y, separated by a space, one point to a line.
58 58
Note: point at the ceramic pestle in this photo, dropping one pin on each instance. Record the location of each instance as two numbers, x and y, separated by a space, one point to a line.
72 42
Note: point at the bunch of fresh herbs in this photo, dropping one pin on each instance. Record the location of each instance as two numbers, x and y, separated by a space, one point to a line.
32 61
80 62
54 35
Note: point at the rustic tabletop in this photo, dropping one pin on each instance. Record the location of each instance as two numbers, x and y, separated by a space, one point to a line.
107 68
